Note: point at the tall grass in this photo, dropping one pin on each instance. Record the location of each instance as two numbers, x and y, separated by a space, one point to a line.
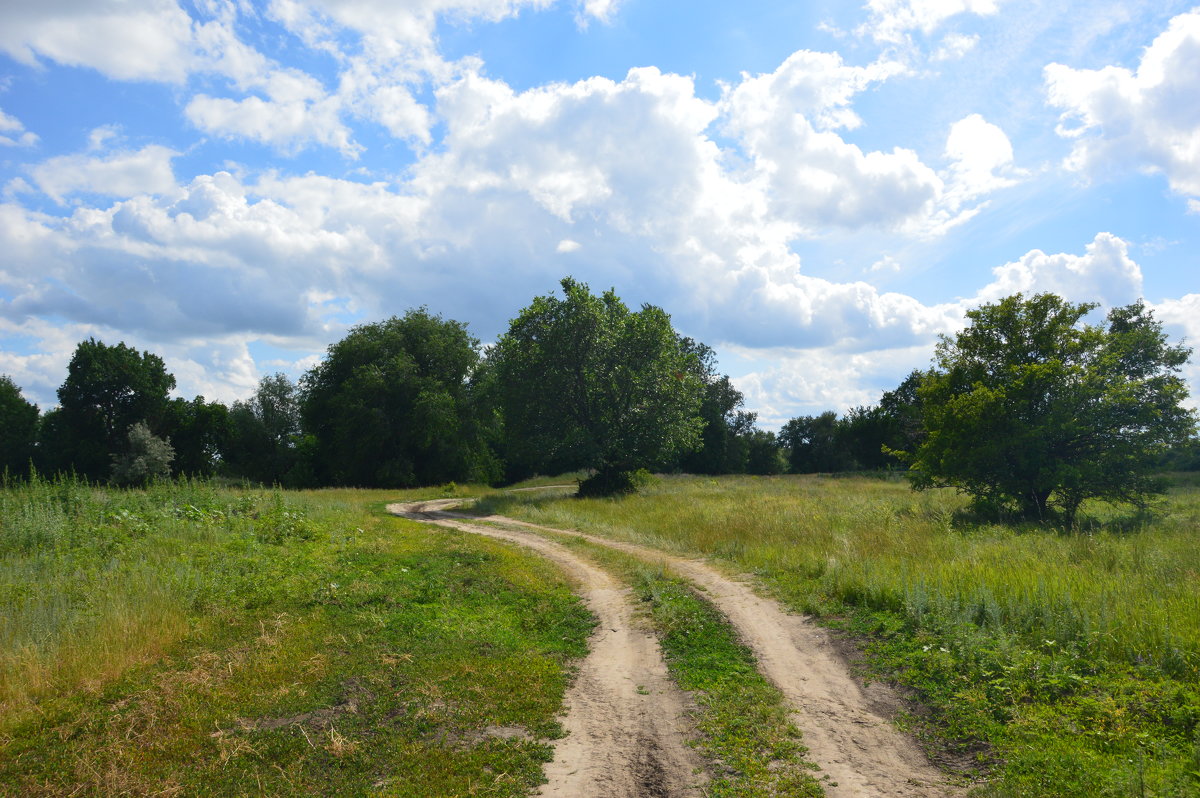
1034 639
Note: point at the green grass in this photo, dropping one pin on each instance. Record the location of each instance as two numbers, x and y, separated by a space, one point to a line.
753 749
1062 662
194 640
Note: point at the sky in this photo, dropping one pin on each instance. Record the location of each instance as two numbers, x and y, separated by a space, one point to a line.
817 190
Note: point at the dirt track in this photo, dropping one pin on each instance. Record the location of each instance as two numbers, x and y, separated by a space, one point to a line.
845 727
626 722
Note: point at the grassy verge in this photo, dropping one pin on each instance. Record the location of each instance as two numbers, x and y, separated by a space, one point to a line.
745 733
1064 663
193 640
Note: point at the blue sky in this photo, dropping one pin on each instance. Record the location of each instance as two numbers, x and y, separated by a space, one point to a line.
816 190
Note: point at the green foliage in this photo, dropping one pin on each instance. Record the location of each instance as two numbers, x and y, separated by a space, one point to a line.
107 389
1031 410
812 444
725 438
262 439
763 456
155 640
18 429
389 406
146 458
586 383
199 433
1062 664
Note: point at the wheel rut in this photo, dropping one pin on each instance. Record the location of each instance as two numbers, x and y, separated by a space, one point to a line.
627 724
846 727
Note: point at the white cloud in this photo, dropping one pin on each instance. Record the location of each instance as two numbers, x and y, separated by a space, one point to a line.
891 20
954 46
289 124
10 124
1149 118
885 264
1104 273
567 245
124 173
147 40
981 160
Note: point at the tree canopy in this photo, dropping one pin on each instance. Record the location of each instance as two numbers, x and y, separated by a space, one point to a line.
388 406
107 390
1031 409
18 428
587 383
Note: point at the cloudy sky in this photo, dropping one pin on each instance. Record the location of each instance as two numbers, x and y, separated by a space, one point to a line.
816 190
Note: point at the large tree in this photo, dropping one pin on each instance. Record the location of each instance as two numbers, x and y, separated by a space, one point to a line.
1033 410
107 390
388 406
728 430
812 444
18 429
587 383
262 438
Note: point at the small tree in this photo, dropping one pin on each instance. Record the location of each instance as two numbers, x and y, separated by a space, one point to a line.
147 457
586 383
1029 409
18 429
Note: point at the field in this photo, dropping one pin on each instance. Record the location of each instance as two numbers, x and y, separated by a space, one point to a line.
1058 662
196 639
193 640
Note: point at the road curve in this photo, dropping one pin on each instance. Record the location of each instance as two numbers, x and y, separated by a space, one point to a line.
845 727
626 722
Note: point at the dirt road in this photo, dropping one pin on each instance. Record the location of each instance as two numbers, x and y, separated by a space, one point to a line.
627 724
846 727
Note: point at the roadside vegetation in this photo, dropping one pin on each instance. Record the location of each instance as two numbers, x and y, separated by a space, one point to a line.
1057 662
190 639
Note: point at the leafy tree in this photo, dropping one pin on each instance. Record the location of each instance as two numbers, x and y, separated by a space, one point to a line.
107 389
263 432
726 434
1030 409
812 444
389 405
199 432
146 457
586 383
763 454
18 429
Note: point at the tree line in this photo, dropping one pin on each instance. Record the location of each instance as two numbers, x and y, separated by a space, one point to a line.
1029 409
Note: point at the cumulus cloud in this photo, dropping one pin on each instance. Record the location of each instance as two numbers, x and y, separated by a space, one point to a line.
13 133
981 160
1104 273
124 173
1147 118
954 46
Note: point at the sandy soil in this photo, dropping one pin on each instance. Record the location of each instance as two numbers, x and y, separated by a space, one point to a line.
627 724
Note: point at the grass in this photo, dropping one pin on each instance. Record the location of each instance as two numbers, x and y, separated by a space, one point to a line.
194 640
753 748
1063 663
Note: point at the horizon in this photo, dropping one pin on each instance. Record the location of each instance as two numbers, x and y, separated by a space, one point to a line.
234 186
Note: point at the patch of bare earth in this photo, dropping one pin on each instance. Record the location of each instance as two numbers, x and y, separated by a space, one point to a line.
846 727
626 723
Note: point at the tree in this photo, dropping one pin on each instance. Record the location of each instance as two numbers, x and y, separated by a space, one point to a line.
263 432
812 444
199 432
725 438
1030 409
107 389
389 405
18 429
763 455
146 457
586 383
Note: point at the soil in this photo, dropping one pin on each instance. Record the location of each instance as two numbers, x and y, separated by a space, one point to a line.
847 727
627 724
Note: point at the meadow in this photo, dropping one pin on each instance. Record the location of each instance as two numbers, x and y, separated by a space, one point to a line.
1047 662
192 639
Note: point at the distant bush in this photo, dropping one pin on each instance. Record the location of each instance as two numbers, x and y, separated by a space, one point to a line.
147 458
